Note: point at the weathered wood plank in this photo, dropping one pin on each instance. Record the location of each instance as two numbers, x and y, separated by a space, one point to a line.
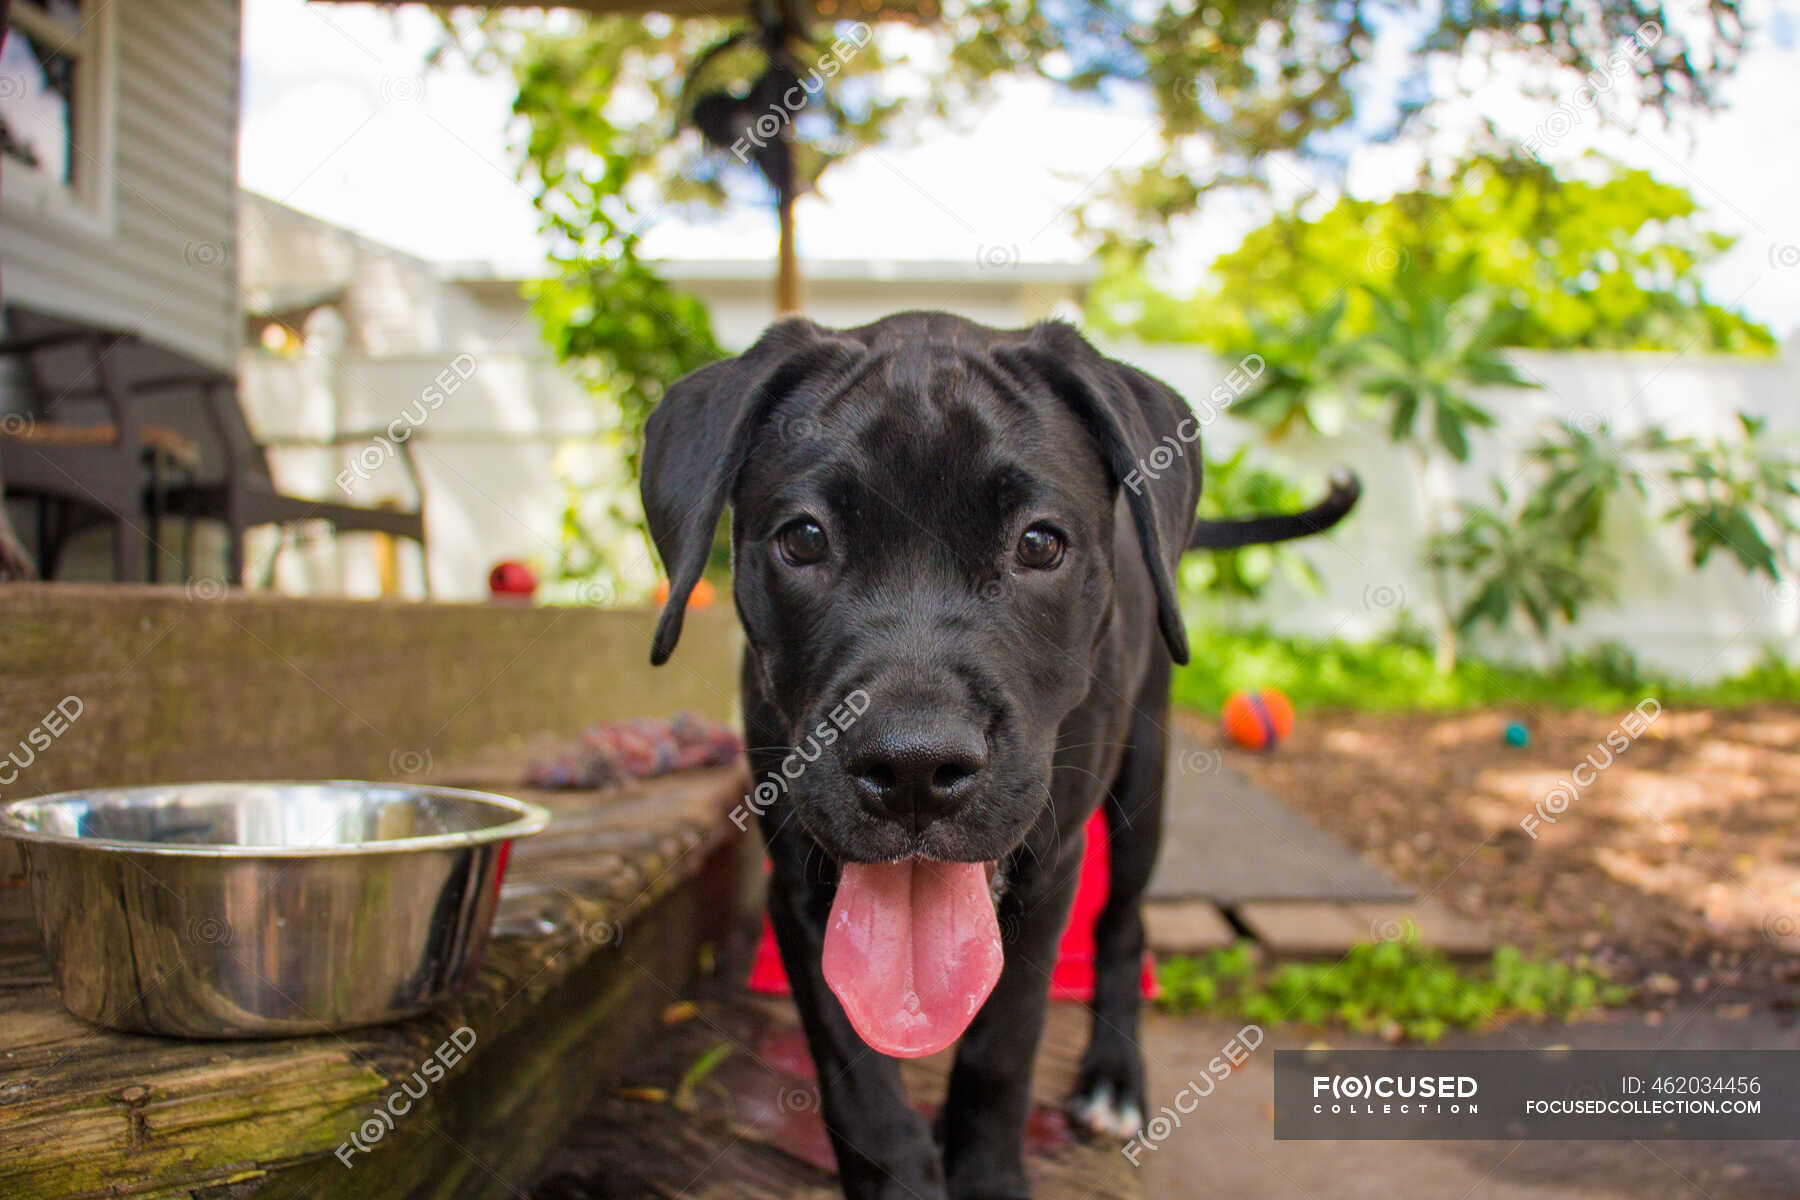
1309 928
1430 923
751 1128
1226 840
1186 927
257 686
1304 928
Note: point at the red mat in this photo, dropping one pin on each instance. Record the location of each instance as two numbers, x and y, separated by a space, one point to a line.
1073 978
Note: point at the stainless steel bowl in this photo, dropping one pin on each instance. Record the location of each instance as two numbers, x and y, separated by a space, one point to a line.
218 910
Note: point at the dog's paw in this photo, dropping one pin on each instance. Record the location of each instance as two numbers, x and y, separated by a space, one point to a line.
1108 1099
1102 1111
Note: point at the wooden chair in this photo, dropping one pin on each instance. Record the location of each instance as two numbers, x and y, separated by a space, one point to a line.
121 431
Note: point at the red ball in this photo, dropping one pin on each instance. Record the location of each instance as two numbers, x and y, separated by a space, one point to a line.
1258 720
512 578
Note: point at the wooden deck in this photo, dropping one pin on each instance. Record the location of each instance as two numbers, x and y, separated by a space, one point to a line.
574 1086
603 917
601 923
723 1105
604 920
1236 862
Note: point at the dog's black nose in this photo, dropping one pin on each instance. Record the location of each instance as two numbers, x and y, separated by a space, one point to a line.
917 770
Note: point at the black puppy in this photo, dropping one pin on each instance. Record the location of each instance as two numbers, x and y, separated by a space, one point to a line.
954 554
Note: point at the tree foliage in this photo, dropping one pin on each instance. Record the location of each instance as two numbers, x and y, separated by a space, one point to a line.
603 308
1542 556
1237 484
1516 561
1429 346
1231 86
1585 470
1427 354
1308 378
1738 495
1610 262
605 148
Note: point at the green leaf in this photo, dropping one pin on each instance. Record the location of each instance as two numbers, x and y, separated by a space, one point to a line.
1450 432
1608 260
1406 412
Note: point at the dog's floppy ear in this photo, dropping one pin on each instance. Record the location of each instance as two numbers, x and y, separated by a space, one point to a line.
1148 437
697 438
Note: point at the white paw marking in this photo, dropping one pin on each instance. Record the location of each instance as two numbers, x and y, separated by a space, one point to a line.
1128 1121
1104 1112
1089 1108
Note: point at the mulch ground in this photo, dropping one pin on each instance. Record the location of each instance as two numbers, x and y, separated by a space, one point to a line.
1677 868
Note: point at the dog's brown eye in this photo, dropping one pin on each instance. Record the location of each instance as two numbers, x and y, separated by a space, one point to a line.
802 542
1040 548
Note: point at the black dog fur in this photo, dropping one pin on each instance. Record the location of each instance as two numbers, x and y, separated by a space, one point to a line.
1008 695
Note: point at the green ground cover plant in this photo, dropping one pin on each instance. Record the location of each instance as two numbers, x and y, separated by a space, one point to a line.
1398 674
1396 989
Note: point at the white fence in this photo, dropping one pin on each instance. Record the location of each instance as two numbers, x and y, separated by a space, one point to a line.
1699 624
491 454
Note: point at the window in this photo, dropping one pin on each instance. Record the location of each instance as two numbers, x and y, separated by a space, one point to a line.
53 152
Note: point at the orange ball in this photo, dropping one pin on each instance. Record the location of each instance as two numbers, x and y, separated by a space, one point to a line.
701 597
1258 720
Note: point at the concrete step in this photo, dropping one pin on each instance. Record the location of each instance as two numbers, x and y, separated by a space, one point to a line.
1308 929
1227 841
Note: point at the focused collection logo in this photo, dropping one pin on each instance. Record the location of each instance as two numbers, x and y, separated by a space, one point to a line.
1322 1094
1395 1095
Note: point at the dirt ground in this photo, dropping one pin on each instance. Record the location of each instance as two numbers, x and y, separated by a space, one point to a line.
1676 867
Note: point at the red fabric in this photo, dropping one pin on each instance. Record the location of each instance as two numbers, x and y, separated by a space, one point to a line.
767 977
1073 978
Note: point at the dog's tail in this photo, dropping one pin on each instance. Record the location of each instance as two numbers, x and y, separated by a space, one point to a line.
1252 531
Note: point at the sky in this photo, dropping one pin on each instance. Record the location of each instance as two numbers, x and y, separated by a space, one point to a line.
342 120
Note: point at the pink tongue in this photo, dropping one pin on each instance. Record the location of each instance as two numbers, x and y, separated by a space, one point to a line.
912 949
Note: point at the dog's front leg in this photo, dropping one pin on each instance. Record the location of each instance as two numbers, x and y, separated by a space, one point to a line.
884 1148
983 1123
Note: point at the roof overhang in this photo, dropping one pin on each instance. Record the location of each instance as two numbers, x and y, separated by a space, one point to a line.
807 12
816 271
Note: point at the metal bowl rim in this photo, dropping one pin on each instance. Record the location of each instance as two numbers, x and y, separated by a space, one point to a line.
529 819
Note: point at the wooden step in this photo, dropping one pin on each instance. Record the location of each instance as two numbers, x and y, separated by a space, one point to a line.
1431 924
600 924
1306 929
1186 927
747 1125
1226 840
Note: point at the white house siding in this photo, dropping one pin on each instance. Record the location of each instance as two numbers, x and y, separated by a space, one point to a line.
160 261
